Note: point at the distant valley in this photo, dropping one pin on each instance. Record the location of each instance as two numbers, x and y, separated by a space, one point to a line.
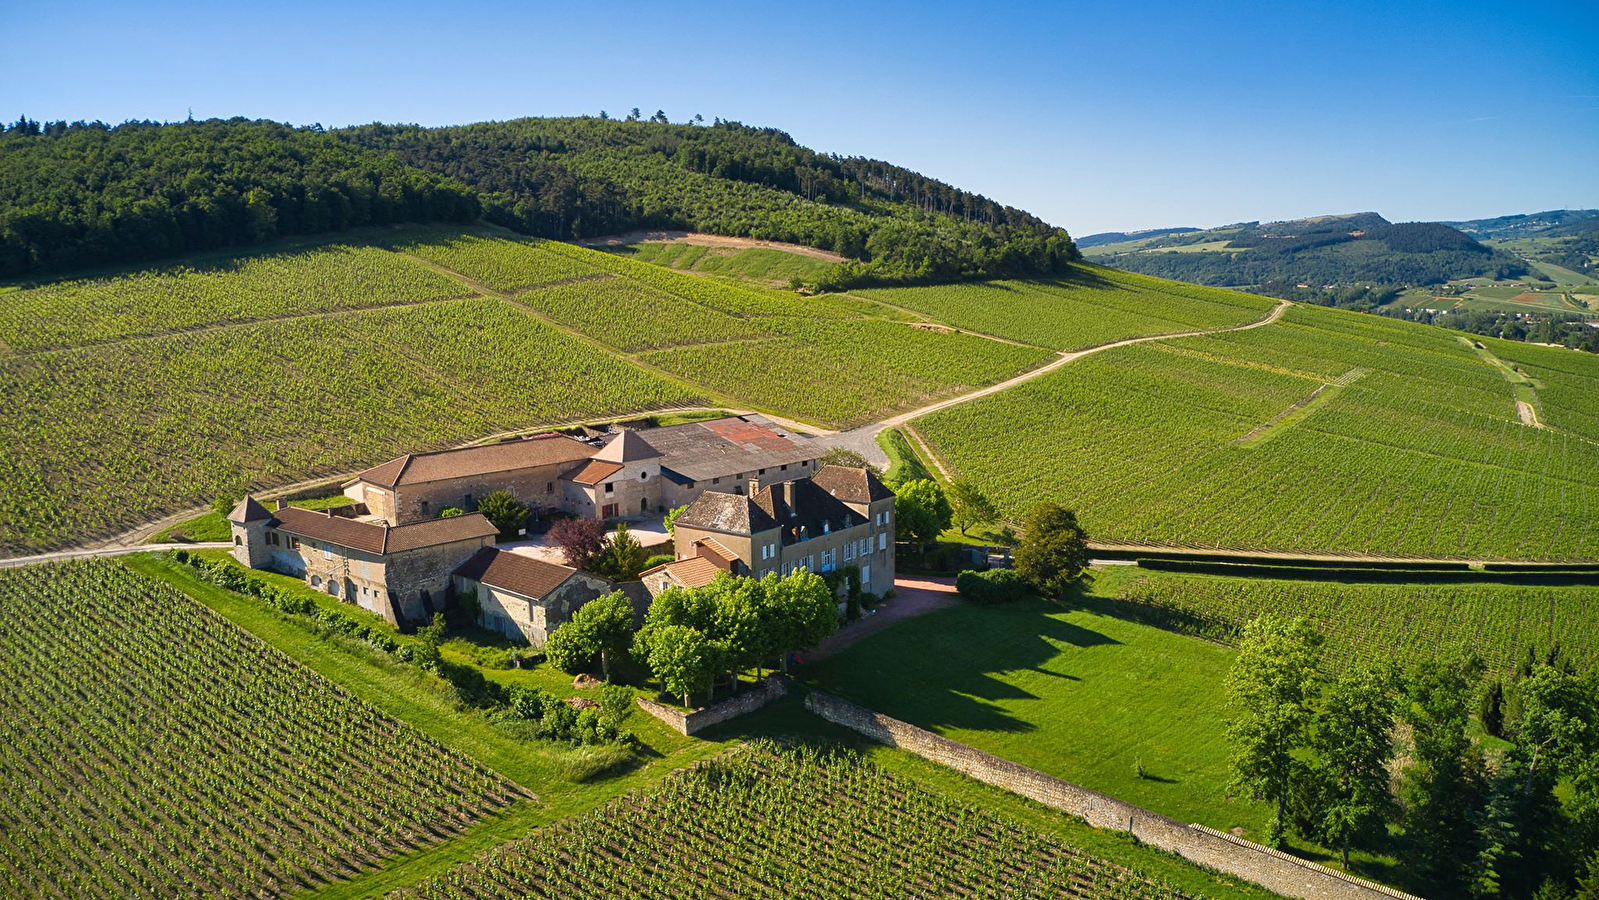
1529 276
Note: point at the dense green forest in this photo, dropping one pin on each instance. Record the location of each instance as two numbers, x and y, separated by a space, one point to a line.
576 177
1340 250
87 194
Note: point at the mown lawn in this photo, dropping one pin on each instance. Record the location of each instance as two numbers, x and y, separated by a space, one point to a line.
1072 692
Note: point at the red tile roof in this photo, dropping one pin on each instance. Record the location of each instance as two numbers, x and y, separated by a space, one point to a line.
693 572
592 472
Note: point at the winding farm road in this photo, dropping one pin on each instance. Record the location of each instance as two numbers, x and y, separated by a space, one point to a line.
863 440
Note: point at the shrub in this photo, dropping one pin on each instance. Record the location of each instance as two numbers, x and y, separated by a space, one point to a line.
507 513
579 540
993 586
450 512
659 559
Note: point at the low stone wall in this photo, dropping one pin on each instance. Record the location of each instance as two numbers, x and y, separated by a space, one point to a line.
772 688
1273 870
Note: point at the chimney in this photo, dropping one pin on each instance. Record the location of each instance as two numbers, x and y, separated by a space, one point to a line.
754 486
282 503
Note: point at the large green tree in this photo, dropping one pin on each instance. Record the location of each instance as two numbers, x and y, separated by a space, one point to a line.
603 626
1271 695
683 659
1053 552
1445 783
1353 740
971 507
921 511
504 511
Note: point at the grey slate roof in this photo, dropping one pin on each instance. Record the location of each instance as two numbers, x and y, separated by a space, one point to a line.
851 485
719 448
719 511
804 510
248 510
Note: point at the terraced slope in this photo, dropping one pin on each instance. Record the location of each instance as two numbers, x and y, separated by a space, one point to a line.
1215 441
155 750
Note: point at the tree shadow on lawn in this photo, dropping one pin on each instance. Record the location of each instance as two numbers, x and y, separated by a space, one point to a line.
950 670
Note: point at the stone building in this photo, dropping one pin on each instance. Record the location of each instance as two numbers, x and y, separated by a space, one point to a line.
522 597
836 518
630 473
400 572
418 486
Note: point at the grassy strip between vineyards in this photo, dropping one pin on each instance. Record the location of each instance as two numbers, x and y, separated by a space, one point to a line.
904 463
424 702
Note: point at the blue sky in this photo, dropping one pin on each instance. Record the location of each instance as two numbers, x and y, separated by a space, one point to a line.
1095 116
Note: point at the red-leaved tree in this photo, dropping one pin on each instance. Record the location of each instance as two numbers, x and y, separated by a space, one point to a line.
579 540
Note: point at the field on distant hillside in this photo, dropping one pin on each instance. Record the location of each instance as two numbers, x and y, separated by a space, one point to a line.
155 750
1402 622
762 264
1098 306
1412 446
765 822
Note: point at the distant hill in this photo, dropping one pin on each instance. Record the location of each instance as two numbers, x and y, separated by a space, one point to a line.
1116 237
1551 223
87 194
1358 248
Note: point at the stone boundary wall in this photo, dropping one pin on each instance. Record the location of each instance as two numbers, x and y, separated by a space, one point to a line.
774 687
1279 872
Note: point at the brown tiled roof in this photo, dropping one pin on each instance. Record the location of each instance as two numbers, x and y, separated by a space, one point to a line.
375 538
725 512
851 485
690 573
592 472
248 510
539 450
525 575
718 551
627 447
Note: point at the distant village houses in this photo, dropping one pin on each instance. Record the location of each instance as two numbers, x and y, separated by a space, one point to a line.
757 503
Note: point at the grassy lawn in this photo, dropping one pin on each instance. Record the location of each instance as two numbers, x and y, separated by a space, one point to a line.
426 703
1074 692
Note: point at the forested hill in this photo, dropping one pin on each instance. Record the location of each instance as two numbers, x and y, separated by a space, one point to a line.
85 194
1363 248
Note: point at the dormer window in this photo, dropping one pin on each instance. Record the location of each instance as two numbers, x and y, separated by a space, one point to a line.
827 528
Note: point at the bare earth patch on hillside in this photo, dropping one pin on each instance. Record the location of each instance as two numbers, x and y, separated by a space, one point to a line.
704 240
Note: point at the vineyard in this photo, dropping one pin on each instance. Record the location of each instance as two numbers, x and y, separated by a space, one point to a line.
1094 307
1420 452
632 316
326 279
847 373
767 822
117 435
154 750
502 264
1403 622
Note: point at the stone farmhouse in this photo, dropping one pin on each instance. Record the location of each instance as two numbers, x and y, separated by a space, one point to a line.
393 555
836 518
627 474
